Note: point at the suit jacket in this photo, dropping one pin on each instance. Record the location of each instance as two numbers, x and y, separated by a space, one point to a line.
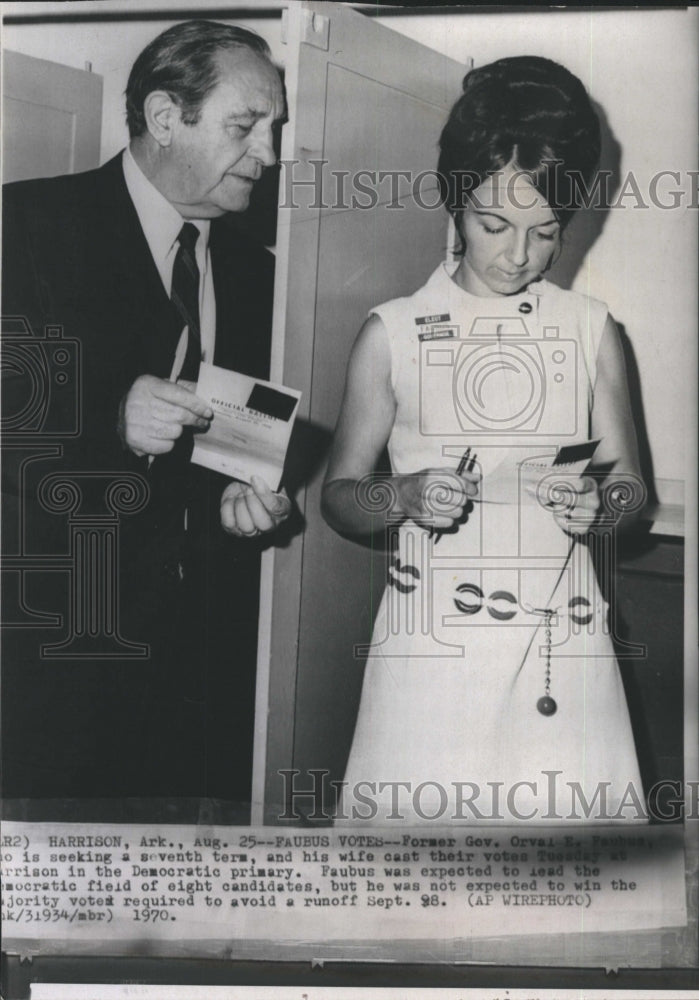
75 256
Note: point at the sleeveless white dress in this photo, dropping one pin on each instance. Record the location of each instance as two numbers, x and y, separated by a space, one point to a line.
448 726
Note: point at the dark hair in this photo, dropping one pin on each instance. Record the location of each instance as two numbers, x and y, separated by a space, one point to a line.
182 62
528 111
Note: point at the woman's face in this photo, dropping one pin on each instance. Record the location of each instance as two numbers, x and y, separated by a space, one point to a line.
510 233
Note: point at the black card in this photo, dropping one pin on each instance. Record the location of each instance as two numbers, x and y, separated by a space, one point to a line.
271 402
575 453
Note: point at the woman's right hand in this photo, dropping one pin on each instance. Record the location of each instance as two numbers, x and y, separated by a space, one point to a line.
435 497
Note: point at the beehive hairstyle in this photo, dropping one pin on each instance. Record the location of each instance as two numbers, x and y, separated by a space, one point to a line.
529 112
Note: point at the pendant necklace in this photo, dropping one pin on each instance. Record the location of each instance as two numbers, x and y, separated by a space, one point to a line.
546 705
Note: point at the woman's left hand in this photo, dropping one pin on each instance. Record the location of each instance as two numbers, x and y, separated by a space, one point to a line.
578 511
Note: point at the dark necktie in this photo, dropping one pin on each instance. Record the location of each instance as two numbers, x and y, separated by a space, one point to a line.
185 297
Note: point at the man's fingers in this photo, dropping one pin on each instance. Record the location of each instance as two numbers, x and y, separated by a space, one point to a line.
275 504
154 411
231 494
171 413
181 396
179 415
243 518
233 490
259 515
228 514
163 430
228 521
155 446
245 509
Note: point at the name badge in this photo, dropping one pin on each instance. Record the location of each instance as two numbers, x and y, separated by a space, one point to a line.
435 327
438 333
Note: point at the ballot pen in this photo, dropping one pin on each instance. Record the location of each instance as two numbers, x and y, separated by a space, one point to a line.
466 464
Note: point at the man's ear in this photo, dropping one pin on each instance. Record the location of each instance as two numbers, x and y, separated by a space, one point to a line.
162 115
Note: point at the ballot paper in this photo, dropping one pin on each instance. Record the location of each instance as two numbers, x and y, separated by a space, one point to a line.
528 480
251 427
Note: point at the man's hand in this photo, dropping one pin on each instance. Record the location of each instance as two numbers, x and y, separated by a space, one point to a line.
154 412
247 511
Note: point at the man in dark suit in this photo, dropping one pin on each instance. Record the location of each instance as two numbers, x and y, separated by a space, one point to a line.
136 263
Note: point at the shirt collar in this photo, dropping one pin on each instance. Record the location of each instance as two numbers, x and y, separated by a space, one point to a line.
160 221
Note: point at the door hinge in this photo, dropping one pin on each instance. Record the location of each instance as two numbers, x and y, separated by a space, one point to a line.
315 29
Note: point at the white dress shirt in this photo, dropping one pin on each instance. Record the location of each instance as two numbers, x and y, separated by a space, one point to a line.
161 224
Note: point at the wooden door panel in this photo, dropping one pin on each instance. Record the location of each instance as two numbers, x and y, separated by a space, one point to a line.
361 98
52 117
40 136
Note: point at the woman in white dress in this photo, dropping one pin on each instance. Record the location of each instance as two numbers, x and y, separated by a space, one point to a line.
491 691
